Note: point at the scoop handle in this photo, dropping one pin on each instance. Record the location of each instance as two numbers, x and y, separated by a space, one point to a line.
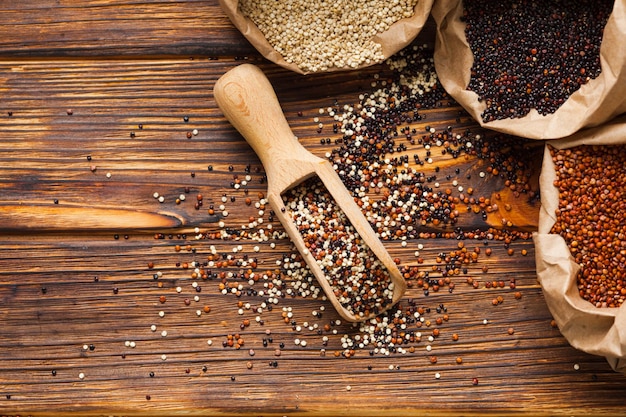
247 99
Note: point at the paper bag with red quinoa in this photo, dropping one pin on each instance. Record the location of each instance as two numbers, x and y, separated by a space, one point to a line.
399 35
595 330
594 103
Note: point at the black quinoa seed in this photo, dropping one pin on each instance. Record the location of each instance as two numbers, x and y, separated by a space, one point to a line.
531 54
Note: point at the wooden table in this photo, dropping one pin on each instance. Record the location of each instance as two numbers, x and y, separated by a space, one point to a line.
97 98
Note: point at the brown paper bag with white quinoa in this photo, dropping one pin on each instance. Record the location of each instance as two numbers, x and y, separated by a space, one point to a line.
595 330
594 103
399 35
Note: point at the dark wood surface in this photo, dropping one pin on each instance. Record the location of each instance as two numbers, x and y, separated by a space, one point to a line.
78 222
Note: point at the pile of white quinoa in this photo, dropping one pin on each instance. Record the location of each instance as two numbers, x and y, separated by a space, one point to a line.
318 35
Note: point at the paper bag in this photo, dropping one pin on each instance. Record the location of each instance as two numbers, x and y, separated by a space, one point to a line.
596 102
595 330
399 35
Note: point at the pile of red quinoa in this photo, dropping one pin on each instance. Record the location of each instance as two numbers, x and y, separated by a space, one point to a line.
592 206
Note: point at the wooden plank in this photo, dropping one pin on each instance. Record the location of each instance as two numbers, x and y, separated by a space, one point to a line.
53 304
86 257
99 28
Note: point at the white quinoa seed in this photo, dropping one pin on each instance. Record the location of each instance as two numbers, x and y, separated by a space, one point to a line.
317 35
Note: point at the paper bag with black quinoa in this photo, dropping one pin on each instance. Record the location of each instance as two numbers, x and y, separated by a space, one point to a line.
540 70
327 36
580 244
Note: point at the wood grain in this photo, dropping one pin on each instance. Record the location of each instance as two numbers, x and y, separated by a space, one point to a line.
77 79
101 28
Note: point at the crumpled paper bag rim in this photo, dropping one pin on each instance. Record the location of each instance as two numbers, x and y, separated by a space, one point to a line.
598 331
596 102
399 35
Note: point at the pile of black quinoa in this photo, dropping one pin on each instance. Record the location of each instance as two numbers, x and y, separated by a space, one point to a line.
532 54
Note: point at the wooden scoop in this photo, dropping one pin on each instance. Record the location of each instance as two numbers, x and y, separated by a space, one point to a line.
249 102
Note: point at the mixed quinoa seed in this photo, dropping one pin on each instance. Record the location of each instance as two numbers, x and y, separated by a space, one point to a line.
359 280
402 198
